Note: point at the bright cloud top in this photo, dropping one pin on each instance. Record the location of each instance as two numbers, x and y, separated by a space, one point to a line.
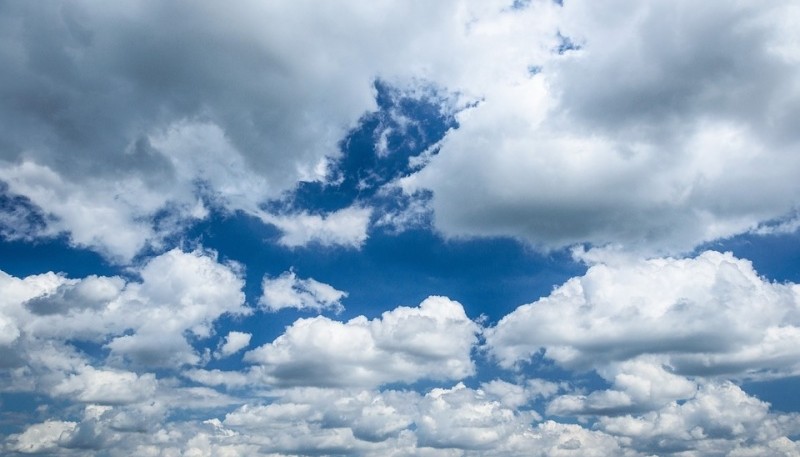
289 291
432 341
709 315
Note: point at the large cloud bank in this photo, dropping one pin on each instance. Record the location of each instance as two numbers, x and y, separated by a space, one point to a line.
668 336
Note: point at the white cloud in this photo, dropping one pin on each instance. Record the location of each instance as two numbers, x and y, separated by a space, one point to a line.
441 422
463 418
75 208
708 315
152 127
718 420
40 438
345 227
147 323
636 385
654 153
91 385
234 342
289 291
642 137
432 341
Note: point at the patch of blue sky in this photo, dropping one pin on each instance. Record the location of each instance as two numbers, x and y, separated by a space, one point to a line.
376 151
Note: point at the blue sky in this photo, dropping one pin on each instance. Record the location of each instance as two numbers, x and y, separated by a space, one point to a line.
457 228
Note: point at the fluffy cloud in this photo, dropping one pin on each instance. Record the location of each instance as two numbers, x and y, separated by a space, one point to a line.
708 315
289 291
463 418
432 341
118 136
91 385
641 137
40 438
92 341
720 420
346 227
143 324
442 422
157 124
234 342
636 385
665 333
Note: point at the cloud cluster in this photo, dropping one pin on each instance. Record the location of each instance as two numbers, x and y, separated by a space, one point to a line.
432 341
671 125
709 315
319 388
720 420
667 335
246 104
142 324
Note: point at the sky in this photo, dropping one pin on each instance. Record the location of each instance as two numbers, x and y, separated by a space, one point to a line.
400 228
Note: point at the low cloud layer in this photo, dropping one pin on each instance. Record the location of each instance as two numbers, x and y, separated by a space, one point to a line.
649 328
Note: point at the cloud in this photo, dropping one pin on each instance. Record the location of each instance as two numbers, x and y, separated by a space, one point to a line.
683 130
720 419
39 438
345 227
145 323
91 385
636 385
152 120
703 316
641 138
432 341
667 124
234 342
121 205
442 421
463 418
289 291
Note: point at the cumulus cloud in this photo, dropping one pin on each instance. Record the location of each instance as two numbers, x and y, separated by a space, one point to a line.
234 342
145 323
641 137
289 291
440 422
708 315
40 438
95 342
636 385
463 418
91 385
151 118
720 420
345 227
432 341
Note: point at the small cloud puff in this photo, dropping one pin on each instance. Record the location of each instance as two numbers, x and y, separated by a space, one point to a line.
234 342
289 291
346 227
